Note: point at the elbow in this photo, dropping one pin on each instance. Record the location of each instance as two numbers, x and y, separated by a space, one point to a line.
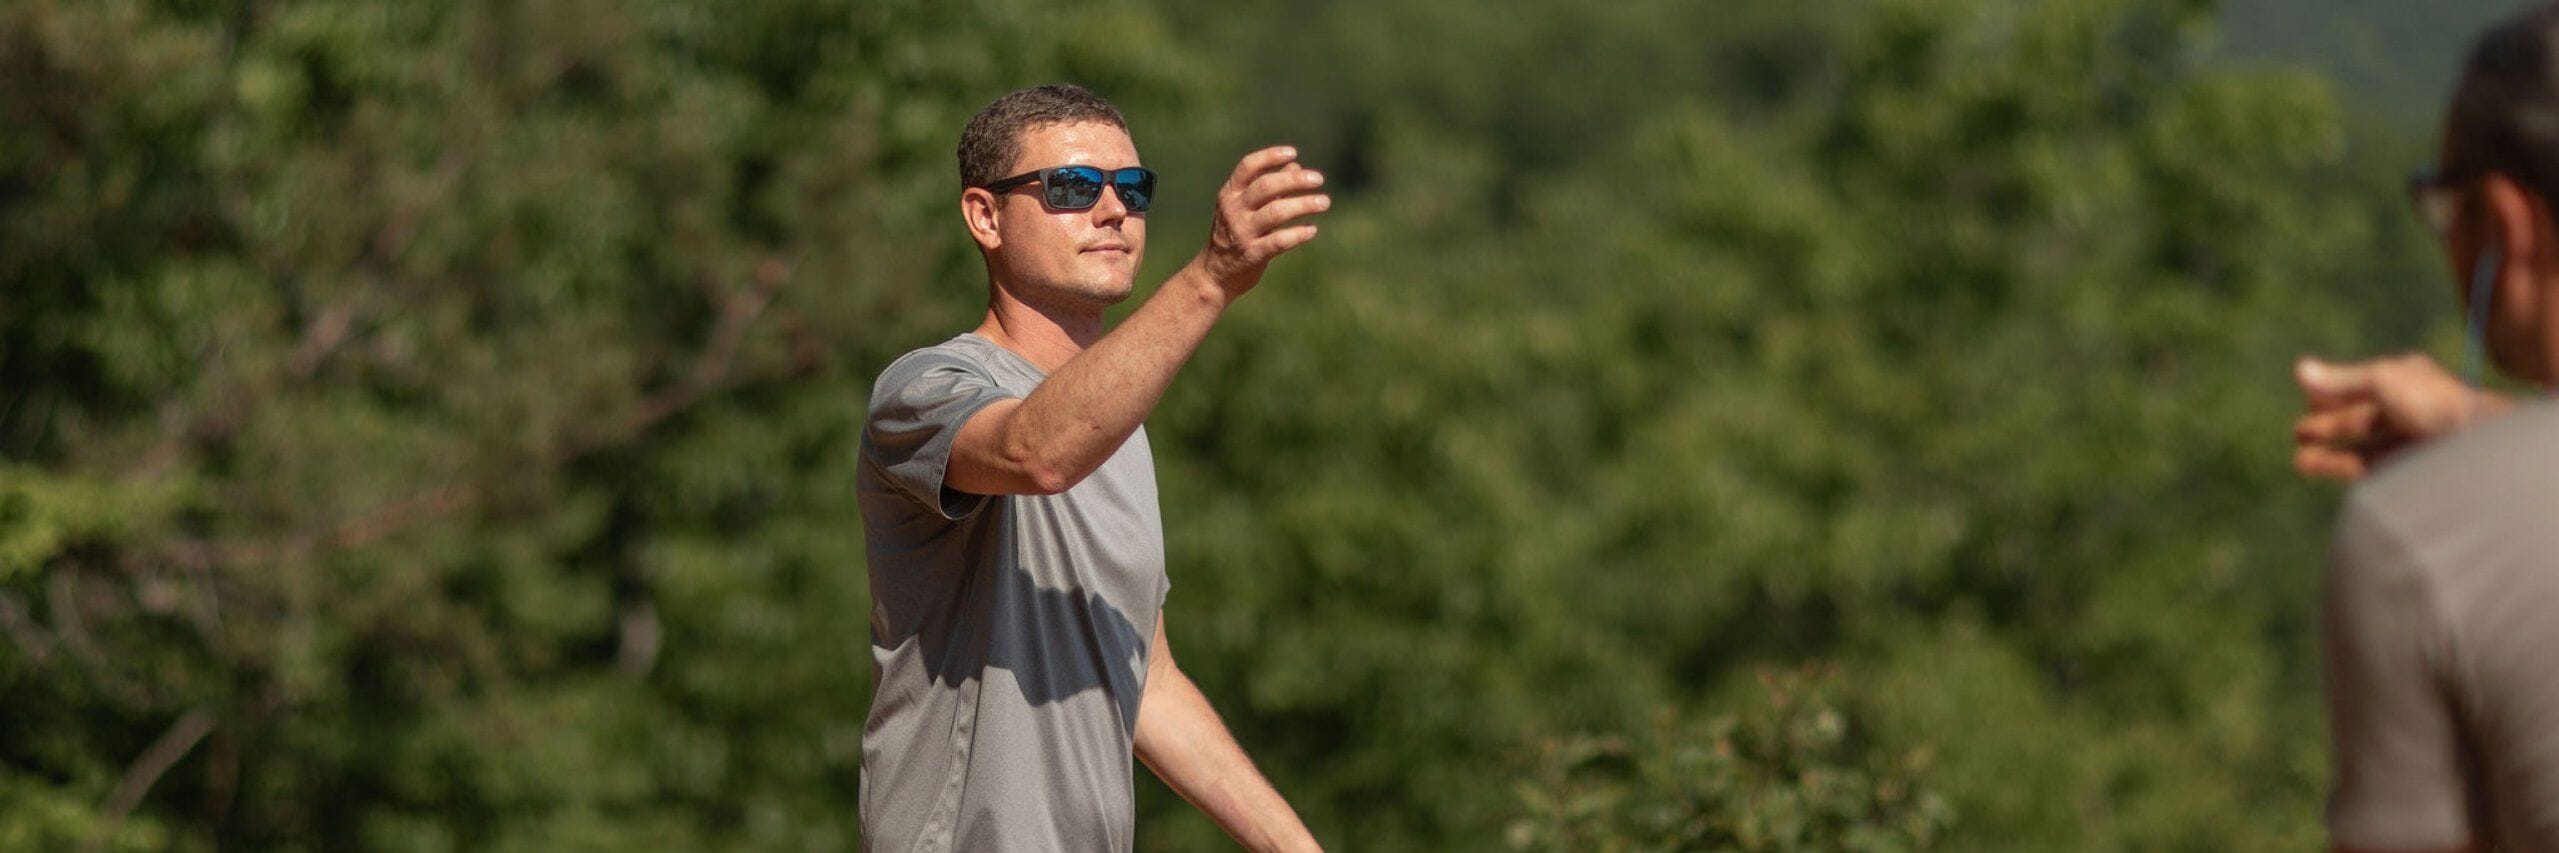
1048 480
1041 470
1042 476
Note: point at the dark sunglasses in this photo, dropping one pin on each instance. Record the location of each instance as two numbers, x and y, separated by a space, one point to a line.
1080 187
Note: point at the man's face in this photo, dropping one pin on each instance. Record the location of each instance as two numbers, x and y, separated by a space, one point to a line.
2471 236
2468 224
1072 259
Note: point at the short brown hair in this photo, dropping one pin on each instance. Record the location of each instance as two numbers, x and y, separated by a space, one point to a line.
2505 112
994 137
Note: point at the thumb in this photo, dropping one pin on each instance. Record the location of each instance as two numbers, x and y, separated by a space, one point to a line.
2329 383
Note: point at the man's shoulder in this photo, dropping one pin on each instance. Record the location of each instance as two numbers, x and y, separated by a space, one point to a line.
2490 477
2519 448
965 352
964 348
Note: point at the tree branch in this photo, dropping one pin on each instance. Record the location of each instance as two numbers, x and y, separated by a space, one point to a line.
68 625
362 530
327 332
324 336
147 769
738 310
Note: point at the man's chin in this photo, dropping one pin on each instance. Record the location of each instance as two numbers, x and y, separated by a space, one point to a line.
1118 295
1094 293
1103 294
1111 290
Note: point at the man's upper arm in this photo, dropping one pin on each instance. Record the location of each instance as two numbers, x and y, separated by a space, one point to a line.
2400 783
1159 653
978 463
919 411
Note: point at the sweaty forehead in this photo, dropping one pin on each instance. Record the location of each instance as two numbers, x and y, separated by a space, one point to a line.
1083 143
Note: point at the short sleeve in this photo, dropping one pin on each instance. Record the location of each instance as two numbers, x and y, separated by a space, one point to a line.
916 412
2400 780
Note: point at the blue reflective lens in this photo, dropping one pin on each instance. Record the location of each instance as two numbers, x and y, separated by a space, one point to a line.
1072 187
1136 188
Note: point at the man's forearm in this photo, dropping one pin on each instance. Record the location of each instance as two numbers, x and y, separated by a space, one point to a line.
1079 416
1181 738
1091 404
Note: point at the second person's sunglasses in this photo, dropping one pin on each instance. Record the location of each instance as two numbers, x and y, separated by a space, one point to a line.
1080 187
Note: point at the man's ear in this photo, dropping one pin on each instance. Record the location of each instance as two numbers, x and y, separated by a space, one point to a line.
979 210
2519 226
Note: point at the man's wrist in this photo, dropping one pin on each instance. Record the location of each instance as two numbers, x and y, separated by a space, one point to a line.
2476 405
1203 279
2493 403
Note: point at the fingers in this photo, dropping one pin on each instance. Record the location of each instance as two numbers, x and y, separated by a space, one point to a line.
1290 180
2418 398
1261 203
2360 412
1288 238
1262 248
2345 425
2329 463
2341 443
1269 217
1259 216
2328 383
2344 441
1257 164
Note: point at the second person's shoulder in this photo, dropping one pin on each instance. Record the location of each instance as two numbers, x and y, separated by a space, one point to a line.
2514 456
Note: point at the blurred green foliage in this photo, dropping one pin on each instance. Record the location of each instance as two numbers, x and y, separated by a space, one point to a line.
2399 59
431 425
1790 775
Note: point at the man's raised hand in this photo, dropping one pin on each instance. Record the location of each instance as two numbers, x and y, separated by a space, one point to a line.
2356 414
1260 213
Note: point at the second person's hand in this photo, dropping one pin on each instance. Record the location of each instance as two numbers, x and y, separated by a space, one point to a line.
2355 414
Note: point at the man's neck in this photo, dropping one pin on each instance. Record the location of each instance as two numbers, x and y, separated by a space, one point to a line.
1045 337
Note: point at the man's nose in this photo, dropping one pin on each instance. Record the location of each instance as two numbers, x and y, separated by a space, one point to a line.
1110 208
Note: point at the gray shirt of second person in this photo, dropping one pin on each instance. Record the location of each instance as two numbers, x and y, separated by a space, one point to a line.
1009 634
2443 644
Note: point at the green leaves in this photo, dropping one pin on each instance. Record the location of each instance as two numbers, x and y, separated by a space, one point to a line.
43 515
1982 325
1789 772
458 403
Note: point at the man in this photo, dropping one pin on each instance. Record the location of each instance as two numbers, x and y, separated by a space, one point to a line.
1008 498
2443 585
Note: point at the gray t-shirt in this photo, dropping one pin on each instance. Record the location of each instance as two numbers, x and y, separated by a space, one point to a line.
1009 634
2443 644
